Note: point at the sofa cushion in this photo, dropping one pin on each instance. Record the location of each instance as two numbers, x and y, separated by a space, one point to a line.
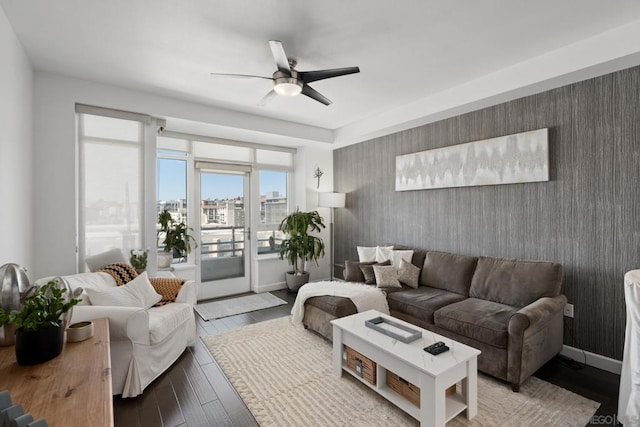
418 258
119 296
386 276
421 303
515 282
408 274
447 271
369 274
167 287
484 321
398 256
352 272
136 293
368 253
141 287
99 281
122 272
335 306
384 253
164 320
96 262
418 254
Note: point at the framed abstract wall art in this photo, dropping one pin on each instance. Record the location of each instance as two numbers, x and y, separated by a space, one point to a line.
511 159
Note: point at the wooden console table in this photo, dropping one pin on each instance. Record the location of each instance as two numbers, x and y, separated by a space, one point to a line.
72 389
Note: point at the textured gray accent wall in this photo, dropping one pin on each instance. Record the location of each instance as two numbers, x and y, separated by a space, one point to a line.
586 218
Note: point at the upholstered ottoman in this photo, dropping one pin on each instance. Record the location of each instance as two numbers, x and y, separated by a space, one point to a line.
320 311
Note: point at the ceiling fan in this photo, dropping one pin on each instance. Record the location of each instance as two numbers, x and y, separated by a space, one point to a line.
288 81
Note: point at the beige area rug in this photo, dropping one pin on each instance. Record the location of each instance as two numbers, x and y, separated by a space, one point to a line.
232 306
284 375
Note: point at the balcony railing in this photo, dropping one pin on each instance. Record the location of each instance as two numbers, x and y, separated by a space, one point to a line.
229 241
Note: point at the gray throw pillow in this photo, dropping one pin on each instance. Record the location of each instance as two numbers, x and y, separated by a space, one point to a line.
369 275
352 272
408 274
386 276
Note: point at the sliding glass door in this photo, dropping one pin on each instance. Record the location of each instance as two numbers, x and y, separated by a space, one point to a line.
224 226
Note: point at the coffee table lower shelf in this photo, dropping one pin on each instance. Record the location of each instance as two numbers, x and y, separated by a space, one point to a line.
454 404
423 392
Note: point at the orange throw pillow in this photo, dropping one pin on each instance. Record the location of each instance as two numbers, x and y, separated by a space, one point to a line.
168 287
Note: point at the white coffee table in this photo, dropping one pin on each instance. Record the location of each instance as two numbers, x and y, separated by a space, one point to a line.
432 374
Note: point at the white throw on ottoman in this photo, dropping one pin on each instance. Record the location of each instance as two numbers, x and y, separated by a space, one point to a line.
358 296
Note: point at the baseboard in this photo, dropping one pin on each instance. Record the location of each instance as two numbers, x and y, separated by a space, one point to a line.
270 287
592 359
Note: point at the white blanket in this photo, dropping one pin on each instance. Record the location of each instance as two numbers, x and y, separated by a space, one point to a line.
364 297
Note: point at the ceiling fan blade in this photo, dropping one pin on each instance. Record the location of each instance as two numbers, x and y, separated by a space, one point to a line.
279 55
267 98
312 76
239 76
314 94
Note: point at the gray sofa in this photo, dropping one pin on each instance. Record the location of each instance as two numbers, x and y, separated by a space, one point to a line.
509 309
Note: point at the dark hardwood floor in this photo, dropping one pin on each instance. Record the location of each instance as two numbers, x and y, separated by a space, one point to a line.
195 391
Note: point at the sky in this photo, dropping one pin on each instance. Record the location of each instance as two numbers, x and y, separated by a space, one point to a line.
172 182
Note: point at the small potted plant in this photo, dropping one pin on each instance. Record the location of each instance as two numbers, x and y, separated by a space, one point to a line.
138 259
40 332
300 246
177 240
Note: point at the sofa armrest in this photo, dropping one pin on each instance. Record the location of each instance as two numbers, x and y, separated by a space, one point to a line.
125 323
538 311
188 293
535 335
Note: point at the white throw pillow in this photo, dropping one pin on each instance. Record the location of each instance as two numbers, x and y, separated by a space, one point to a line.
142 287
386 276
384 253
397 256
137 293
96 262
120 296
366 254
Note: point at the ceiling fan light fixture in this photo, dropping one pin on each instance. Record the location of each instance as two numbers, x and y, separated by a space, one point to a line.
288 88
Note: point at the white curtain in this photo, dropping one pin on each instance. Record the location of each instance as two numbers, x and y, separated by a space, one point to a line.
111 182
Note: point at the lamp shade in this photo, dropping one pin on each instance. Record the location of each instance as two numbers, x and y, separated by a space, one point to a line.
331 200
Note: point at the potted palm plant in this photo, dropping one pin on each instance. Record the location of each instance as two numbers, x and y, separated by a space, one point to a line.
40 332
300 246
178 241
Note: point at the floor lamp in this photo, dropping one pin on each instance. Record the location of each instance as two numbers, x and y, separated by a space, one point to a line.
331 200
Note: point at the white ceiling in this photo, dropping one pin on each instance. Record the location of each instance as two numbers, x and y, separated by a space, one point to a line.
411 53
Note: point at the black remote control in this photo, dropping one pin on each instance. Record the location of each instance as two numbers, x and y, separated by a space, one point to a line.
436 348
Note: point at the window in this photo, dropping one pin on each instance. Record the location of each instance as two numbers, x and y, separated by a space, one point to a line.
110 188
274 207
172 186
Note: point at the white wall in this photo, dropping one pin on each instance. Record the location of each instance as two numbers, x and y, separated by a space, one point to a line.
55 160
308 159
16 147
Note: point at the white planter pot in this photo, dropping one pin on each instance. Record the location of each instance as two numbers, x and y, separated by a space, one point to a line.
164 259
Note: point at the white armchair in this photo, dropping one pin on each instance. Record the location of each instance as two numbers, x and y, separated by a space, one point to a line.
143 343
629 401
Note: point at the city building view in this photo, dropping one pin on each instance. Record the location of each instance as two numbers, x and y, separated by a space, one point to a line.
222 223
